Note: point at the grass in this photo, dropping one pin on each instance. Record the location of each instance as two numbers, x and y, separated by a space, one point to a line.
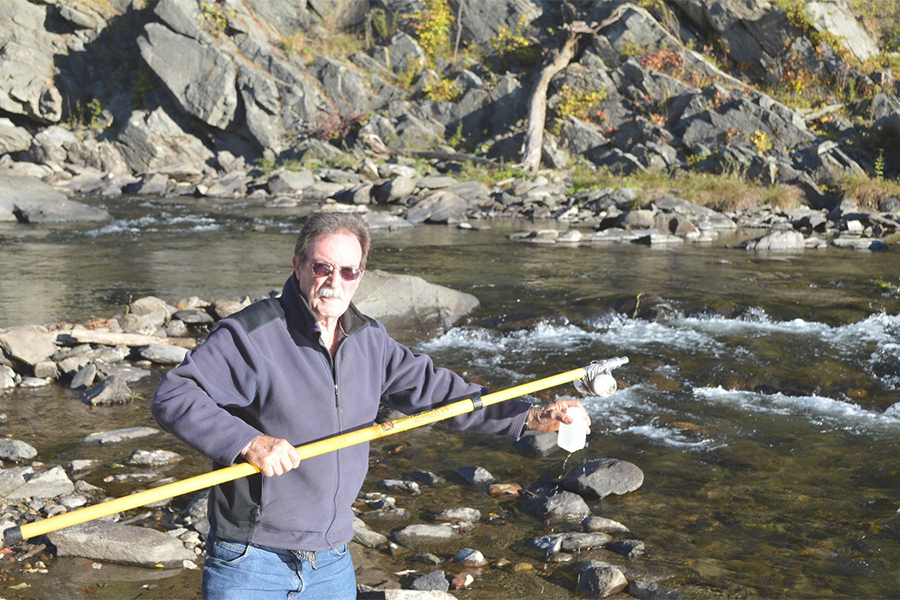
721 192
869 192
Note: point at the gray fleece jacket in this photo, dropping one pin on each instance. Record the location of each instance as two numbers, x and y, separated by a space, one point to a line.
264 370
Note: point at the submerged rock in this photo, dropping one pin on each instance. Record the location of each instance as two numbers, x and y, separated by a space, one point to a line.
121 544
604 476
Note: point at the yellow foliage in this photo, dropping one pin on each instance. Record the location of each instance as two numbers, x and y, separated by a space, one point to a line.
442 90
432 25
582 104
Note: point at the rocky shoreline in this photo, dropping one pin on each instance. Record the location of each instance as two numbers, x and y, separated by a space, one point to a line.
102 360
210 100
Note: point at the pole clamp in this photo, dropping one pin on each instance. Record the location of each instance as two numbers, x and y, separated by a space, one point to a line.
477 404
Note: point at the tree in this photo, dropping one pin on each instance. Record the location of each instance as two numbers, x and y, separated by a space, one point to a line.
537 104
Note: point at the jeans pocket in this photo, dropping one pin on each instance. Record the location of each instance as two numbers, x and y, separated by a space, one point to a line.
226 552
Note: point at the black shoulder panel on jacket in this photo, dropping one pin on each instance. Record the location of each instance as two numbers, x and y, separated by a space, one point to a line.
259 313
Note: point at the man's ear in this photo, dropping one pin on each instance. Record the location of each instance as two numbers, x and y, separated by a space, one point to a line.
296 262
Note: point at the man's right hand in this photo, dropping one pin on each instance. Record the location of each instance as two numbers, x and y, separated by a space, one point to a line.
272 456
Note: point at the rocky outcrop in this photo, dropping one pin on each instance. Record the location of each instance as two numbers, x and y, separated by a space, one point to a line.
203 90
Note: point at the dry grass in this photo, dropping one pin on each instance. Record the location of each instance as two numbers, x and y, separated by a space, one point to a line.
869 192
725 192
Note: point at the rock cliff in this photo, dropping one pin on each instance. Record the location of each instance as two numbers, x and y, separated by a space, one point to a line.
199 97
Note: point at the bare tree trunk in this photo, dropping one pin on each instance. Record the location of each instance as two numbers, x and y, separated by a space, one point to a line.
537 105
458 30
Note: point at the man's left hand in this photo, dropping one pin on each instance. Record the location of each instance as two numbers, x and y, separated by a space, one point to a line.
548 418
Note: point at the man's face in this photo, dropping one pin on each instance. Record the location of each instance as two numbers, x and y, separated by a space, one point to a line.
329 296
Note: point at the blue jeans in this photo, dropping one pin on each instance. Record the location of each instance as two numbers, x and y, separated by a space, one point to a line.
241 571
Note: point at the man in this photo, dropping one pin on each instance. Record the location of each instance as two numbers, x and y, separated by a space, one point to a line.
289 371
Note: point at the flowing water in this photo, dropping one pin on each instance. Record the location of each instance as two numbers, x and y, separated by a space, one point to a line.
764 410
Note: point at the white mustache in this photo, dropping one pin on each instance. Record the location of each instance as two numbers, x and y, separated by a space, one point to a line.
327 292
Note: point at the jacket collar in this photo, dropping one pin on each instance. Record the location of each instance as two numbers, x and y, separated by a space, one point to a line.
351 321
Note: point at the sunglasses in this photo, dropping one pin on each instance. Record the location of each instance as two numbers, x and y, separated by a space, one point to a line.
323 269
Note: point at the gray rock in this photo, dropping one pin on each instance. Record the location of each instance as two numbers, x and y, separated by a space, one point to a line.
395 189
404 53
29 200
164 354
7 377
650 590
151 184
194 316
398 485
119 435
627 548
601 582
16 450
603 525
152 458
12 137
776 241
562 505
427 477
604 476
475 475
441 207
200 78
409 306
423 534
29 344
861 244
459 514
837 19
435 581
344 85
290 182
150 305
28 69
125 372
572 542
468 557
84 377
121 544
365 536
46 369
12 480
109 391
154 142
33 382
44 484
548 544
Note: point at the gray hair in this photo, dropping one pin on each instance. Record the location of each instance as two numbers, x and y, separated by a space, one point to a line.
329 223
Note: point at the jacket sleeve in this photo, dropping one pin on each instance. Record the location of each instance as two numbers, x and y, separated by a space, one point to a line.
414 384
200 400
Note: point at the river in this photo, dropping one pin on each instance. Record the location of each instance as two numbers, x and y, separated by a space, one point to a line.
764 411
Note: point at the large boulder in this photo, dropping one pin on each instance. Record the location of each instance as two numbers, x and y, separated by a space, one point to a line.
122 544
153 141
27 65
29 344
30 200
200 78
410 307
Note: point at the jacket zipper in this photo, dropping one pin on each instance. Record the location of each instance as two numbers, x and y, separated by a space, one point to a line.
337 453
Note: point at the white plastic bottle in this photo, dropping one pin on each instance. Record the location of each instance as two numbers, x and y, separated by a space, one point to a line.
573 437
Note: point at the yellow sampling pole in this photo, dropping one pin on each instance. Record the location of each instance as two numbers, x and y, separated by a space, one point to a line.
199 482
